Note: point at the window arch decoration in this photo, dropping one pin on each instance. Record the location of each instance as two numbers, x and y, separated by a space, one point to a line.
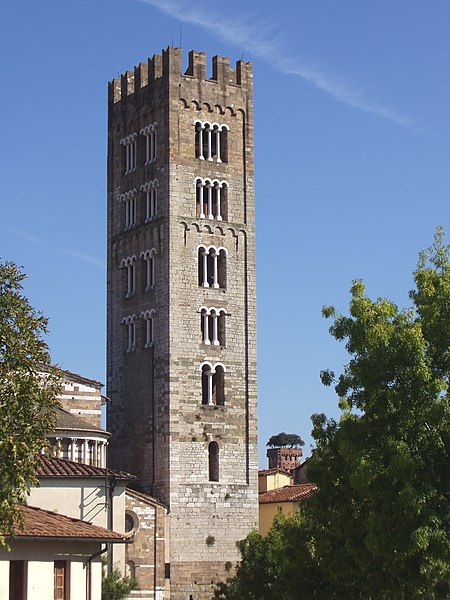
150 189
129 264
130 323
213 325
213 383
211 141
149 318
211 199
129 200
129 144
213 461
149 133
212 266
149 257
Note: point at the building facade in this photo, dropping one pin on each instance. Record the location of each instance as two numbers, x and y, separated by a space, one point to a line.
181 339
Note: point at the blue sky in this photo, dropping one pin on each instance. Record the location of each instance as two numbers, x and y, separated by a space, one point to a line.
352 162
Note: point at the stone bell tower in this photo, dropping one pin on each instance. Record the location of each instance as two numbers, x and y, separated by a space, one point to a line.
181 370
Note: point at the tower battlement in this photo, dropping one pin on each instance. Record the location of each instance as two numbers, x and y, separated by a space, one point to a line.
169 63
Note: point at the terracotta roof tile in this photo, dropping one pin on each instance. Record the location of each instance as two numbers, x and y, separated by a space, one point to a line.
289 493
50 466
47 524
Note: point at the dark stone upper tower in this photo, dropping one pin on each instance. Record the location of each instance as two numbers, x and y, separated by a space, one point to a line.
181 370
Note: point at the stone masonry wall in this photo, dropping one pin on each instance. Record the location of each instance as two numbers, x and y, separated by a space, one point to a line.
161 430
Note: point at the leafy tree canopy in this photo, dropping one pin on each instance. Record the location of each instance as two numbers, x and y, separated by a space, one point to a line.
379 527
284 440
27 395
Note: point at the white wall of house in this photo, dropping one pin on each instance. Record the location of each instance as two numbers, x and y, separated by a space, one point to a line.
40 557
4 577
83 498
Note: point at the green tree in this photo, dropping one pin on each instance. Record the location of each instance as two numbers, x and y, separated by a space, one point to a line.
379 527
27 394
116 587
283 440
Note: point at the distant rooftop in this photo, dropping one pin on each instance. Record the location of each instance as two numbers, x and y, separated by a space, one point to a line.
289 493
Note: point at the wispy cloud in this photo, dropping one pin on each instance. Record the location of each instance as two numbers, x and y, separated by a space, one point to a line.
263 41
67 252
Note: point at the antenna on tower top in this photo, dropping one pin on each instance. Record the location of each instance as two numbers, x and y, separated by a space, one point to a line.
181 33
242 56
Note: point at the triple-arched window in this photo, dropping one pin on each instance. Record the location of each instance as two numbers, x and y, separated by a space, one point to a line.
211 199
212 267
213 326
213 383
211 141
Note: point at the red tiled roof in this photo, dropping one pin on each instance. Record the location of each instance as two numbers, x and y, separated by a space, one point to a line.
289 493
47 524
272 471
50 466
143 497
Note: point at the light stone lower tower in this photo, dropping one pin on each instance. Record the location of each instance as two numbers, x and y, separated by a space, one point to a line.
181 367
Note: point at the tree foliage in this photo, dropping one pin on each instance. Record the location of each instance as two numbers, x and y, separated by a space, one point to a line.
379 527
284 440
27 395
116 587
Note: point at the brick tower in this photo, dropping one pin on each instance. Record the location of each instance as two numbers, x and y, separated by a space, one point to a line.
181 371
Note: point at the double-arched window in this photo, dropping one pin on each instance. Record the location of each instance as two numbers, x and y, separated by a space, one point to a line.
130 324
212 268
149 257
150 190
213 326
149 134
211 199
149 319
213 383
129 145
211 141
129 203
129 264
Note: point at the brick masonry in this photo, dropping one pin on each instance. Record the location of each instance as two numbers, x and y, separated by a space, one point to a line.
161 430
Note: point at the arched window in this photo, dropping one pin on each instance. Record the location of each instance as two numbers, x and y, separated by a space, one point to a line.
129 152
212 267
211 141
149 134
149 320
130 209
129 265
213 326
150 190
130 324
213 461
213 384
211 199
149 275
